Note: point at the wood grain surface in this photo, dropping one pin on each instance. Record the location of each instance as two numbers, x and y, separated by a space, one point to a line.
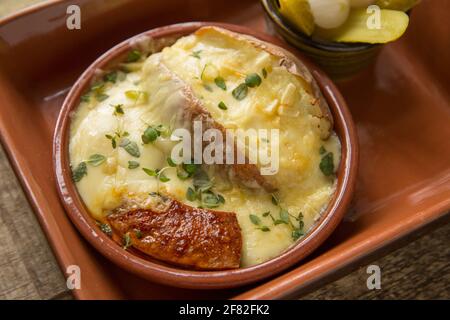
28 269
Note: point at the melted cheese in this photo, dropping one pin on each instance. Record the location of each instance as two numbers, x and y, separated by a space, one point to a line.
280 102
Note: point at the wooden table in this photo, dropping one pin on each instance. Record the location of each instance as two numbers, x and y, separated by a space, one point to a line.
28 269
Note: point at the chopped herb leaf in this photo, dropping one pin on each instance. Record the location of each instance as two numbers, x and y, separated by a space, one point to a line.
182 174
170 162
118 109
162 177
190 168
253 80
105 228
110 77
131 147
322 150
264 72
133 164
240 92
221 198
265 214
126 241
150 135
150 172
133 56
201 180
255 219
196 54
296 234
138 233
284 216
98 87
191 195
101 97
327 164
96 160
264 229
220 82
275 200
85 98
222 105
79 172
210 199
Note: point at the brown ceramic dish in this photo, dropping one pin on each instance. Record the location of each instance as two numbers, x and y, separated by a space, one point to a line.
162 273
400 107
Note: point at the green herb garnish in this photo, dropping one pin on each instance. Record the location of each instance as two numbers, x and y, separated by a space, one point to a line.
101 97
113 140
275 200
85 98
322 150
191 195
126 241
296 234
264 72
327 164
240 92
170 162
182 174
201 180
210 199
138 233
133 164
131 147
150 172
222 105
255 219
133 56
105 228
150 135
253 80
196 54
162 177
110 77
220 82
79 172
159 174
284 216
118 109
190 168
96 160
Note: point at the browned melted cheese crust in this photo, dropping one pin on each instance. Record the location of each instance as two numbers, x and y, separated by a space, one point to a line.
183 235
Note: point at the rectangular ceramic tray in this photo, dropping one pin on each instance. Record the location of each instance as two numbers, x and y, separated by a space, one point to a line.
400 105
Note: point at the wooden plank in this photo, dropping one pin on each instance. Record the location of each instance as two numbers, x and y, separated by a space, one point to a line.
28 269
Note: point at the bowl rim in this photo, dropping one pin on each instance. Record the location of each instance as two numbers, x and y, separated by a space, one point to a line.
173 276
280 21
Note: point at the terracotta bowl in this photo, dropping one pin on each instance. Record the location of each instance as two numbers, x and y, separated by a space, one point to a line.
170 275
